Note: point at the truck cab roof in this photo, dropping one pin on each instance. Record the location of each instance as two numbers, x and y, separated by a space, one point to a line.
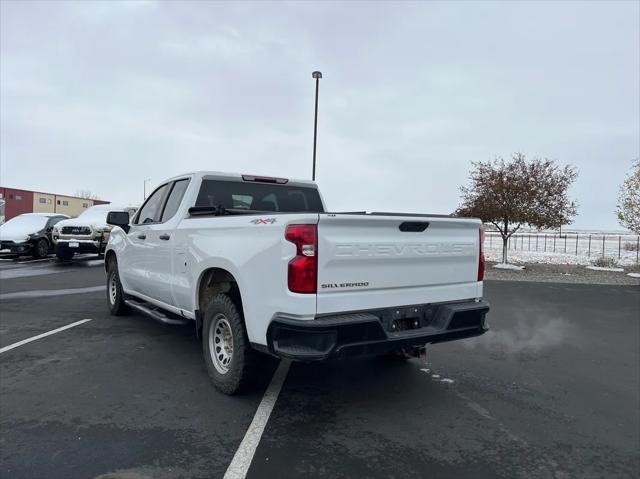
227 176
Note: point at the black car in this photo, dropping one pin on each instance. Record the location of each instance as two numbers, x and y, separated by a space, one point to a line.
29 234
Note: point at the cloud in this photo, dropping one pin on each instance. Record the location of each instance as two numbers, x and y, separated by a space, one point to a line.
412 93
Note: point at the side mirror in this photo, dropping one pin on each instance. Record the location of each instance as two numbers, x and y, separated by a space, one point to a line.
119 218
49 229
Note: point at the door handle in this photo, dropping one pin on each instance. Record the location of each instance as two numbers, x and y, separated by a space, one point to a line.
164 237
142 236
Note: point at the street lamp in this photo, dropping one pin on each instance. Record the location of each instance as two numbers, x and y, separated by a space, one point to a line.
144 188
317 75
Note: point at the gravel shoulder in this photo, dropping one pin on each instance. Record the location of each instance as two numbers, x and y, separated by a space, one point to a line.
562 273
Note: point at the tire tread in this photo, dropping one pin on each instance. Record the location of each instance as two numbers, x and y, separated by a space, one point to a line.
238 378
120 308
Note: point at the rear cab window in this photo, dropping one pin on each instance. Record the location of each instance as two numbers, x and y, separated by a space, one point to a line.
259 196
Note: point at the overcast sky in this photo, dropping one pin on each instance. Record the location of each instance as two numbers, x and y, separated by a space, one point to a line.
100 96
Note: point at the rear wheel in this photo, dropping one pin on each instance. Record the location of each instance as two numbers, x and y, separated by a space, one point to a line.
115 295
41 248
227 353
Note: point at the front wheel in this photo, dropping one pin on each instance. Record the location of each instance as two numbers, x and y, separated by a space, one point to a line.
115 296
227 353
41 249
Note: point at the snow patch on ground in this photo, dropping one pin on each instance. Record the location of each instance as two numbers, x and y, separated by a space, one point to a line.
634 275
601 268
545 254
514 267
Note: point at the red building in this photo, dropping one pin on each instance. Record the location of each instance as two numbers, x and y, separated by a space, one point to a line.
17 202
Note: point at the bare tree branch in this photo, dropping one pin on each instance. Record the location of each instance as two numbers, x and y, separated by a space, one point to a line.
86 194
514 230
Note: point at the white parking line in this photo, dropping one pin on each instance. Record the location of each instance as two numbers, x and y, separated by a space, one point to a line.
43 335
244 455
25 272
51 292
95 262
28 261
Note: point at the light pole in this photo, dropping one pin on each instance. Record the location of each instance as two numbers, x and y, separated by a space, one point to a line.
317 75
144 188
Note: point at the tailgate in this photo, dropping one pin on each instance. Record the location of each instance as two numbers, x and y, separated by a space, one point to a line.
375 261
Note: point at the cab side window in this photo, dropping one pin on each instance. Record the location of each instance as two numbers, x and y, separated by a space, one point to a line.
152 209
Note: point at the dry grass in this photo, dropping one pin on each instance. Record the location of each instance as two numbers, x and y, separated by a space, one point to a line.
605 262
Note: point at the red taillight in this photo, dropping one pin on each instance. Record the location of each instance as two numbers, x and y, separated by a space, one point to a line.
303 269
481 257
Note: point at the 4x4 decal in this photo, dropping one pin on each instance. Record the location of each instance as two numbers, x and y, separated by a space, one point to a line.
263 221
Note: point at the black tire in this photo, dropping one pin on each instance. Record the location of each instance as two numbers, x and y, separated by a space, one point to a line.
115 295
64 255
241 359
41 249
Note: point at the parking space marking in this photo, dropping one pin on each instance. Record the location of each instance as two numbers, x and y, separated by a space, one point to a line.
244 455
29 261
25 272
51 292
95 262
43 335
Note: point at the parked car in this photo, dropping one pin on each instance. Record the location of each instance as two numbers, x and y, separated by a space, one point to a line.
258 265
29 233
88 233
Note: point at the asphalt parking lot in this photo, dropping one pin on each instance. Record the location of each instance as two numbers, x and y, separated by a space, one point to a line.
552 391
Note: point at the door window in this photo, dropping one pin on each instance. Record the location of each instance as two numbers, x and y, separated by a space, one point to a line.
152 209
175 198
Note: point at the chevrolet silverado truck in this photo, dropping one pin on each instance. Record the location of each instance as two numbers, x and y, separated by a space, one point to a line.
258 265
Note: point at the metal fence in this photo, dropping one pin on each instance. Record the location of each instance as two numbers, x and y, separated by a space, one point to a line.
590 245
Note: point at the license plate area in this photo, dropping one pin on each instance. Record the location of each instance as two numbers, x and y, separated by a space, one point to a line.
73 244
407 317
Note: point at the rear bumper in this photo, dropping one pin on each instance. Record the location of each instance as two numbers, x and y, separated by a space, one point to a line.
375 332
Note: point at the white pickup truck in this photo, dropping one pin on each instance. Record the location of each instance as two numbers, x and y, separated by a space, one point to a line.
258 265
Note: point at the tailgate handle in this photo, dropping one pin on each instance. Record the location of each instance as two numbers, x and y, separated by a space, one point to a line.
414 226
